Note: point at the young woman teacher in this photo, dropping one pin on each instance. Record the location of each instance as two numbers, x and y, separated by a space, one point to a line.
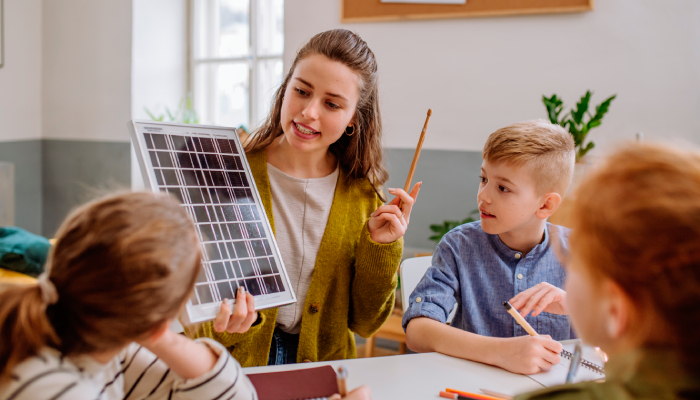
317 163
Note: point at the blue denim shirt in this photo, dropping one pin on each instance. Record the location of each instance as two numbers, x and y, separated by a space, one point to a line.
477 271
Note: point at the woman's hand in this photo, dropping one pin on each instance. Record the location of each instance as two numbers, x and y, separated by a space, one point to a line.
389 222
361 393
243 316
542 297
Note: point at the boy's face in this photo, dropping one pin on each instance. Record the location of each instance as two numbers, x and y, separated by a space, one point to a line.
508 199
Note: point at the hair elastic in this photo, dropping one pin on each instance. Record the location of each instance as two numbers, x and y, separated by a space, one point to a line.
49 294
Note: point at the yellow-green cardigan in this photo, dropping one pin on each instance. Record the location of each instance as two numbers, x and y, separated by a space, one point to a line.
352 287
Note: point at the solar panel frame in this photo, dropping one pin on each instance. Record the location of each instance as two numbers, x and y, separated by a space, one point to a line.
171 176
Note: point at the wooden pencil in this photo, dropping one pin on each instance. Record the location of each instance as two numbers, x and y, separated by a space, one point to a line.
342 375
407 187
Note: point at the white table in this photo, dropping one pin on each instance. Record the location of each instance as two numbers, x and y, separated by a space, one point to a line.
419 376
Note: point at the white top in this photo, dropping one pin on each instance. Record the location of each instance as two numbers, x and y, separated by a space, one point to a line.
135 373
300 208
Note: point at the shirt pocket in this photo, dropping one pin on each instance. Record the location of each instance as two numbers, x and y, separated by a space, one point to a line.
556 326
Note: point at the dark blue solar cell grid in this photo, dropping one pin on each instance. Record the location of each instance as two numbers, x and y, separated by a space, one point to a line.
207 176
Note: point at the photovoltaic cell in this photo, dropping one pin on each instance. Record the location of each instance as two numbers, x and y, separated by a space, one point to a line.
204 169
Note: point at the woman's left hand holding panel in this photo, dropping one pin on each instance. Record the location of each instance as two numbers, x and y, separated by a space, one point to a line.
389 222
243 316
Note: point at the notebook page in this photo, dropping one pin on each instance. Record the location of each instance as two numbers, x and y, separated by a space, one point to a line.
557 375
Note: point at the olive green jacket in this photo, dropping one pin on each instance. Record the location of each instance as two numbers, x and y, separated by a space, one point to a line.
641 374
352 288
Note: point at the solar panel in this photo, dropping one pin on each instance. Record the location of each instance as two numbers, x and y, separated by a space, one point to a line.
205 168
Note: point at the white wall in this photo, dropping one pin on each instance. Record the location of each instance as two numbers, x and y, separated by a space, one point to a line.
86 69
20 77
480 74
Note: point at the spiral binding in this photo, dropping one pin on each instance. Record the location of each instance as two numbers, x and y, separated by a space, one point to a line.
309 398
584 363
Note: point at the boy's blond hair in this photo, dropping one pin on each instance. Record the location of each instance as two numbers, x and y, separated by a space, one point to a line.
547 150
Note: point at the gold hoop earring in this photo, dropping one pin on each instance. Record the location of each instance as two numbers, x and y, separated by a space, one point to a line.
352 132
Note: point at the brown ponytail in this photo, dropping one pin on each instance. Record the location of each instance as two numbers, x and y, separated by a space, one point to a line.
24 328
121 266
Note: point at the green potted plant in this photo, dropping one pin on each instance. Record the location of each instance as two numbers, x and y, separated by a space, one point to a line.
578 121
441 229
184 113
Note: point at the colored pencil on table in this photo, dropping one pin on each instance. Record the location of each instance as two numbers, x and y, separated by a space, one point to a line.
469 395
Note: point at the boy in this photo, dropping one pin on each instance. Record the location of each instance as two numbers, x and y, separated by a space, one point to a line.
526 170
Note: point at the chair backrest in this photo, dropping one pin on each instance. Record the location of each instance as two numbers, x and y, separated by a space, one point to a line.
412 271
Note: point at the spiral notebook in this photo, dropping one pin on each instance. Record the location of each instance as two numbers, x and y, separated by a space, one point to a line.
591 368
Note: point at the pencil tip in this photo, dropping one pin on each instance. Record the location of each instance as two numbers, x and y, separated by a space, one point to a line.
507 305
430 111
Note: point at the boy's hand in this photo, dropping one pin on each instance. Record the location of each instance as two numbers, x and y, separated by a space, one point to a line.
529 354
361 393
243 317
389 222
543 297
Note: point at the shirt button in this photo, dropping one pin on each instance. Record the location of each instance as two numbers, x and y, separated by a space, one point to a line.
520 276
418 299
517 256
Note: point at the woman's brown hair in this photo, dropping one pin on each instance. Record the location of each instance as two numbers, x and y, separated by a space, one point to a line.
121 266
360 154
636 221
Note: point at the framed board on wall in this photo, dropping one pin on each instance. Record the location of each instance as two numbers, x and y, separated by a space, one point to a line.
376 10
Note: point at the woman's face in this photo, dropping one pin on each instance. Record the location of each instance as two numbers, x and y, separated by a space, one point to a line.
319 103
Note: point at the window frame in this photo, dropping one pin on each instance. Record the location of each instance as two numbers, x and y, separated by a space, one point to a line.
252 59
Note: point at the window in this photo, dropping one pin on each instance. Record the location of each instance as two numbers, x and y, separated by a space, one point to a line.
236 66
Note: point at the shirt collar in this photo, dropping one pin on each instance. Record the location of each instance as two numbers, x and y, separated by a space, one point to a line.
511 254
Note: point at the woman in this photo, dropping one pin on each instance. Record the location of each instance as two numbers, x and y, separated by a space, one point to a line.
317 163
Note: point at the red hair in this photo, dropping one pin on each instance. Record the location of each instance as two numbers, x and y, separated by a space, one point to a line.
636 221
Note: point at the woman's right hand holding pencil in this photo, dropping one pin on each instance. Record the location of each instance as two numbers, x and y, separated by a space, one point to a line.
389 222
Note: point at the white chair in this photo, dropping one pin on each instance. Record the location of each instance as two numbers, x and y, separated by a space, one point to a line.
412 271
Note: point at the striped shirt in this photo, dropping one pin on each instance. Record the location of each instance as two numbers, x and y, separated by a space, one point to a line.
135 373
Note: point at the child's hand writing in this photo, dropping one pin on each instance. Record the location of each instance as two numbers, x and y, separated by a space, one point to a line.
361 393
389 222
243 316
542 297
529 354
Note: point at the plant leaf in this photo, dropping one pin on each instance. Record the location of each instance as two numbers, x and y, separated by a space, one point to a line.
581 108
583 150
153 117
600 111
554 107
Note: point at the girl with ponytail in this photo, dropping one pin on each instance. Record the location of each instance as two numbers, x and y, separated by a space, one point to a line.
96 324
